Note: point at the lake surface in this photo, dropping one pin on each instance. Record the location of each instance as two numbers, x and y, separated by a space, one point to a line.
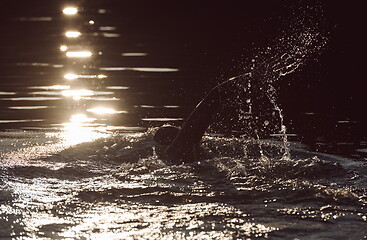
85 84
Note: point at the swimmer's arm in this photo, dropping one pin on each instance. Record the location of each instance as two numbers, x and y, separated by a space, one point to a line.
187 141
200 118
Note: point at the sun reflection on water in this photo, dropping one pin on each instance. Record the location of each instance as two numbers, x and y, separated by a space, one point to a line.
134 54
81 54
70 11
101 76
81 118
72 76
72 34
77 94
63 48
104 110
75 133
140 69
80 130
53 87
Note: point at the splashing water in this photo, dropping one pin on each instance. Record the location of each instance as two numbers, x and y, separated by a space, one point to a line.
287 56
117 188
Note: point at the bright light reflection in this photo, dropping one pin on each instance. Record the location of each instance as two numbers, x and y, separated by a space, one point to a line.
117 87
91 22
107 28
32 99
76 131
21 121
28 107
70 76
72 34
53 87
169 106
82 54
101 76
110 35
77 94
133 54
102 98
7 93
70 11
161 119
50 93
63 48
102 110
139 69
81 118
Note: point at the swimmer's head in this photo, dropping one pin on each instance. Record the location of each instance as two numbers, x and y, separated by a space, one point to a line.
163 137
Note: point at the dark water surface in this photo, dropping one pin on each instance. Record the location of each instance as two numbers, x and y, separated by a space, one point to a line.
82 94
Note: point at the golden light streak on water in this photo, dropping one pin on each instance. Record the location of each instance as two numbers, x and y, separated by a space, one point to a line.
72 34
117 87
101 110
80 129
72 93
152 106
111 35
140 69
107 28
81 118
77 94
53 87
7 93
70 76
63 48
104 110
70 11
28 107
32 99
21 120
102 98
75 133
170 106
100 76
161 119
134 54
50 93
81 54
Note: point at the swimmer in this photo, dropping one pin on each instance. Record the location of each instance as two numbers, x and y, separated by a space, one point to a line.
183 144
179 145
